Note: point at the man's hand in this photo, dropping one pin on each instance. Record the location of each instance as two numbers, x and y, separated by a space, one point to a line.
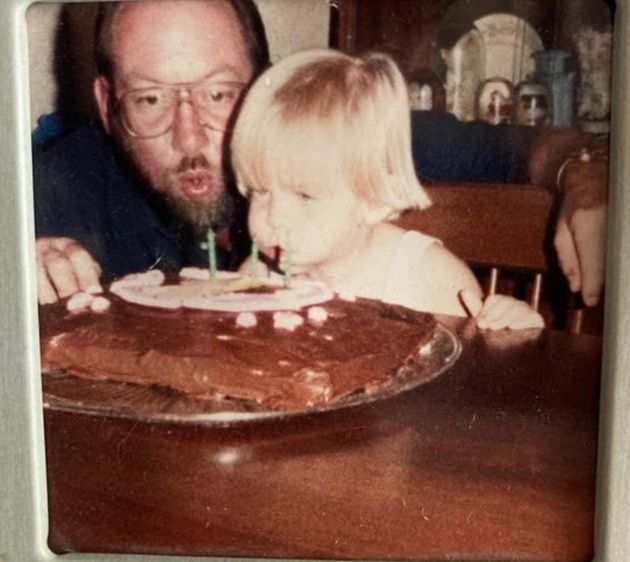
580 238
64 267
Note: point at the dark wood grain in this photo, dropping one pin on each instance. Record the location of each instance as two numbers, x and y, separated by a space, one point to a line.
510 223
413 31
496 458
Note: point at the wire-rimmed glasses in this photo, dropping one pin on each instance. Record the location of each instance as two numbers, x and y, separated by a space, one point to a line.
150 112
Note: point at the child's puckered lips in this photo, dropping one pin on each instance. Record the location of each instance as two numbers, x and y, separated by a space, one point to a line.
274 257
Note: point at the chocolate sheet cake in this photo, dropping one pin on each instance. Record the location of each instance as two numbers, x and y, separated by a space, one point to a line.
207 355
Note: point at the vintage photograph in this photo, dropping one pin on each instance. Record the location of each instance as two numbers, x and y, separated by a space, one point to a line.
321 279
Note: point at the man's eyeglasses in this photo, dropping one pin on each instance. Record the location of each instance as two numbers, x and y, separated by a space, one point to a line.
150 112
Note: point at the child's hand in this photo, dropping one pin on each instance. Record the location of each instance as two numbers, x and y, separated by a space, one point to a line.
500 311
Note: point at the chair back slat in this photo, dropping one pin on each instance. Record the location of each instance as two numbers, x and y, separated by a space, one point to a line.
496 225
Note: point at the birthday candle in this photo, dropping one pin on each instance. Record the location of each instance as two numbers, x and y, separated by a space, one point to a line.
212 254
254 258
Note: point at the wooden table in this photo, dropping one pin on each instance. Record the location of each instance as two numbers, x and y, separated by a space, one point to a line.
495 458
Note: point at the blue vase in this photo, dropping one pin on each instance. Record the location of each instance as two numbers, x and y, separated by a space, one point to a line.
551 70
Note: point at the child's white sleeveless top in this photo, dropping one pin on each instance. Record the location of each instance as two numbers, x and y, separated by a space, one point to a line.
413 243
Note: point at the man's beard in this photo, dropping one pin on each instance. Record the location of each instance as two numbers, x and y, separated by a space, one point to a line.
200 216
214 210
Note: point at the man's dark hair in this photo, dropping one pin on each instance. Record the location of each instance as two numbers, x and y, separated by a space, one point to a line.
246 13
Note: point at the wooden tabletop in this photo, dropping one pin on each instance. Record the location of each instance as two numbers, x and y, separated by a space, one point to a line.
494 458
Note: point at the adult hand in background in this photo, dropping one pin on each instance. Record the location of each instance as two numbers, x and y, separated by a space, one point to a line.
64 267
580 237
577 161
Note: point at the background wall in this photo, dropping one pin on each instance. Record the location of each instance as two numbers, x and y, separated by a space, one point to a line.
42 22
60 46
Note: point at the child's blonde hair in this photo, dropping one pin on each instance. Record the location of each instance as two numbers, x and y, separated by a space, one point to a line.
320 117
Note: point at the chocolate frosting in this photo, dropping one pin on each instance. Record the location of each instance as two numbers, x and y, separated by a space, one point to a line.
206 355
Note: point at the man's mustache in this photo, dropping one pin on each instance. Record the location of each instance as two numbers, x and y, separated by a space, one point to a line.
188 164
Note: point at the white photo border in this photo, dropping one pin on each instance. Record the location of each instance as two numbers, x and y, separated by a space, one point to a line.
23 503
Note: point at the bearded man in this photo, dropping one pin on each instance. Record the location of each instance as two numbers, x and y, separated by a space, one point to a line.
141 189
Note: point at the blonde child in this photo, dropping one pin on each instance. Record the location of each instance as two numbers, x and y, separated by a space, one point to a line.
322 150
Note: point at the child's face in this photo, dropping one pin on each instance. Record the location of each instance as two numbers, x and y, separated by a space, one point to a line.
317 229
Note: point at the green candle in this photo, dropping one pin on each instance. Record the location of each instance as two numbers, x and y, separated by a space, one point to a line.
212 254
254 258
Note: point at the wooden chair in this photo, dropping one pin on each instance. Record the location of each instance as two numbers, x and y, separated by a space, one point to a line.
499 227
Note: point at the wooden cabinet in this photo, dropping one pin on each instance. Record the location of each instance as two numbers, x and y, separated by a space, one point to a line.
414 31
417 33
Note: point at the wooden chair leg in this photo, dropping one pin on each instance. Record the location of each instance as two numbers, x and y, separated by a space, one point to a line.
576 321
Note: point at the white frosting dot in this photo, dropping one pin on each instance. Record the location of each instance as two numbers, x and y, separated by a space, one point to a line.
246 320
287 320
100 305
317 314
154 277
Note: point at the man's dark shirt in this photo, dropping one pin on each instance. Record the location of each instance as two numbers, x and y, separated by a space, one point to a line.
84 191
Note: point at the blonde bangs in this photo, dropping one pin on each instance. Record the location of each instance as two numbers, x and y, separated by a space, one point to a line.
321 119
301 156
